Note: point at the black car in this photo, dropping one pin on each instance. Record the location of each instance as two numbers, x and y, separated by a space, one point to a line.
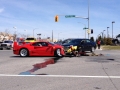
84 44
64 41
116 40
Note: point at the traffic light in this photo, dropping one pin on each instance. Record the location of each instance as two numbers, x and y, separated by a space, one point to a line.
91 31
56 18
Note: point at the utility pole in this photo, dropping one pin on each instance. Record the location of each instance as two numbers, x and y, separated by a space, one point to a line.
88 19
52 35
107 32
112 28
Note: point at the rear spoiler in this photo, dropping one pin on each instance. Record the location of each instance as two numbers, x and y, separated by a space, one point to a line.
16 44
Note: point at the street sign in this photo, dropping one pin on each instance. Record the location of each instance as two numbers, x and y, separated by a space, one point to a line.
85 28
88 31
69 16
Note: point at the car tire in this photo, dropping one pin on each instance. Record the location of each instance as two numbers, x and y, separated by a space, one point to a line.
1 48
24 52
92 49
116 42
58 53
78 54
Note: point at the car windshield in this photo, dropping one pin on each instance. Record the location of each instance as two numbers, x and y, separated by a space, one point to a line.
66 41
30 39
8 42
52 43
75 41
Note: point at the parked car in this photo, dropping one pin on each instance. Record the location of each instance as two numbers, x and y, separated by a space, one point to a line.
0 42
116 40
30 39
7 44
80 45
40 48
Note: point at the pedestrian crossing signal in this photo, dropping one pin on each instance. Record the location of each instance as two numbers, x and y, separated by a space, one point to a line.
56 18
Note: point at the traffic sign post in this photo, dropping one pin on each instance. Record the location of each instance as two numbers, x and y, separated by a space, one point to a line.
69 16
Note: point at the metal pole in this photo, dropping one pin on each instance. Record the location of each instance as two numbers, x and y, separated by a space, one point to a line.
33 32
85 32
58 36
84 28
112 28
107 32
103 33
52 35
88 18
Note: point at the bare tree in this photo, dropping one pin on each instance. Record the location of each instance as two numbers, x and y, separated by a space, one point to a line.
4 34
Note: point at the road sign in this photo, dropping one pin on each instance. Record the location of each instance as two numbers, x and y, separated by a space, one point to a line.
85 28
69 16
88 31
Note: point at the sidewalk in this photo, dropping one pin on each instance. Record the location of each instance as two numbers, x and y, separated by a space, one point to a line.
101 48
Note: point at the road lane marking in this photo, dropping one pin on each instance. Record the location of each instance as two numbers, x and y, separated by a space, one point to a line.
65 76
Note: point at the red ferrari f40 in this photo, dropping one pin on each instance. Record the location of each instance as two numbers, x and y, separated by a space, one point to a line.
40 48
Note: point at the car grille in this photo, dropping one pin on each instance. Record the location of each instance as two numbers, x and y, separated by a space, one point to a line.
3 44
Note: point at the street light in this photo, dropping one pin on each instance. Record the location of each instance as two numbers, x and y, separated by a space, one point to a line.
112 28
99 36
25 33
15 29
15 33
33 31
85 18
84 28
58 35
107 32
103 33
88 18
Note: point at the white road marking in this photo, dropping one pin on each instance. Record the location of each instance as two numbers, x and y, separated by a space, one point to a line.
65 76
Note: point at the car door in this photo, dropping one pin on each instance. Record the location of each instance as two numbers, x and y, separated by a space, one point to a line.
88 45
83 45
42 48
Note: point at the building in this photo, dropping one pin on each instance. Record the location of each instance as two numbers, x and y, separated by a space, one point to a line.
6 36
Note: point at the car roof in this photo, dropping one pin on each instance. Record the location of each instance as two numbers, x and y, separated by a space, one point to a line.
80 39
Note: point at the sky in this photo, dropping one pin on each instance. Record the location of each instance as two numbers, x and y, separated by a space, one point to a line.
32 17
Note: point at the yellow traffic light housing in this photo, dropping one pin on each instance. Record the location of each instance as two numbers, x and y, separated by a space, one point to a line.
56 18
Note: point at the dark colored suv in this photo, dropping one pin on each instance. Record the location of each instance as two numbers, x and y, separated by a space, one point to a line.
84 44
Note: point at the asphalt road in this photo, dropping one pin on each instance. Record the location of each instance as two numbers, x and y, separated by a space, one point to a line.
67 73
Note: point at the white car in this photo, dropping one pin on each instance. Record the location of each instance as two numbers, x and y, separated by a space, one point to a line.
7 44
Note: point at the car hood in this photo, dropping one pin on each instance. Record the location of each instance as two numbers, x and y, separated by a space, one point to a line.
5 43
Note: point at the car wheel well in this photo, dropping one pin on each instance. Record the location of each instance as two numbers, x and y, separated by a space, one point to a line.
26 49
92 49
55 52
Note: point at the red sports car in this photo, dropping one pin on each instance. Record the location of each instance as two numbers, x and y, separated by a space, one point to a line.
41 48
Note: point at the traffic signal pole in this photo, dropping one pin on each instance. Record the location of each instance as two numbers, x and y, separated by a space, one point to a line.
88 19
